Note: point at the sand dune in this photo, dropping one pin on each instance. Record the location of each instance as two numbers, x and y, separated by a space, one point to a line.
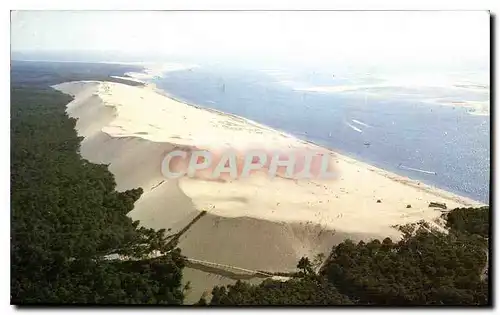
256 223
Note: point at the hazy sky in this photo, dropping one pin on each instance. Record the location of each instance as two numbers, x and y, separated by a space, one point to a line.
353 37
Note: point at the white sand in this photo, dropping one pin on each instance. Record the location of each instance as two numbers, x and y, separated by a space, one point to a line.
152 70
256 223
132 79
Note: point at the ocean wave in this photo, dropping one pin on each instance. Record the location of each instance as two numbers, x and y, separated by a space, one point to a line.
417 170
354 127
360 123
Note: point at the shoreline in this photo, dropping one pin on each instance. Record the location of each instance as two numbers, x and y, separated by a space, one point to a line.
438 192
258 224
471 108
409 181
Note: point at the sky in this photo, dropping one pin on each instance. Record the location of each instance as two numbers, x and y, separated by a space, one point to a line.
397 38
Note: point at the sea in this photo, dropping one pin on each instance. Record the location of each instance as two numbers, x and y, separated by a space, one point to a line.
409 123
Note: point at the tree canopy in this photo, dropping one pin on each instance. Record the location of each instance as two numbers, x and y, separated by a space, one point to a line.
68 221
425 267
67 217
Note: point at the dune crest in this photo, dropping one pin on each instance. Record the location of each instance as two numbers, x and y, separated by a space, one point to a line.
145 125
258 222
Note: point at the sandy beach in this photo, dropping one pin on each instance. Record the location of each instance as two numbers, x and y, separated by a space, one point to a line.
256 223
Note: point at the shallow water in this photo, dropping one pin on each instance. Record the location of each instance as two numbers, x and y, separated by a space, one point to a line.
444 146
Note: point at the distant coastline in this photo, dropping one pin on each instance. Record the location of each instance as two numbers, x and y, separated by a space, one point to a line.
132 142
361 145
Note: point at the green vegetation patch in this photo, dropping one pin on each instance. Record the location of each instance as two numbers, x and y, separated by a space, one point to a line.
426 267
67 217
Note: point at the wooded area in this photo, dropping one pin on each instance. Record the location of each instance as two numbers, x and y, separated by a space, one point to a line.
66 218
426 267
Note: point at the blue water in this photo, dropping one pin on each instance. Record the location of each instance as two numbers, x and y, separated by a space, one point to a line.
407 132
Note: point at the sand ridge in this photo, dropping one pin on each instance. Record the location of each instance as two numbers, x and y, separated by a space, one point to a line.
348 202
257 223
